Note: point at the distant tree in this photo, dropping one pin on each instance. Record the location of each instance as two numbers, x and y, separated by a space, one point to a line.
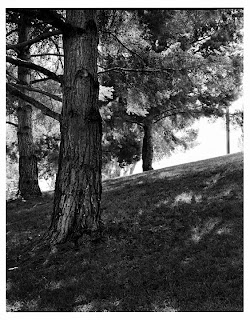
28 172
178 63
39 39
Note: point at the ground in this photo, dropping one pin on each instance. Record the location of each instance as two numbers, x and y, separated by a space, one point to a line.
172 242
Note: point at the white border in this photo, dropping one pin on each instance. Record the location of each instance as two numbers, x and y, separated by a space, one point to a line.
124 4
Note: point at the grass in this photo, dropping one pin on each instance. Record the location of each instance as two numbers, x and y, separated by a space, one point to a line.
172 242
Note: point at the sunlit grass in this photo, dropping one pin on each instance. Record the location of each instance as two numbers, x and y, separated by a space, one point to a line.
199 231
172 242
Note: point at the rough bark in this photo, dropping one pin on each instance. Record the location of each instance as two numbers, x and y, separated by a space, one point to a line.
78 184
28 172
147 147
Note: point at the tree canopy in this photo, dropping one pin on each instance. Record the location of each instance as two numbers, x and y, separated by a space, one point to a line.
133 80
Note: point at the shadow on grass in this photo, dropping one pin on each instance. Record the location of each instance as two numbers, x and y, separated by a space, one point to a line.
169 245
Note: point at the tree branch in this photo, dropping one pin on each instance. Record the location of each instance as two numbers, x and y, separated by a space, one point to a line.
58 52
56 19
14 78
33 66
10 32
163 70
190 112
20 82
120 69
41 37
12 123
39 80
128 49
29 88
13 91
51 17
132 119
46 54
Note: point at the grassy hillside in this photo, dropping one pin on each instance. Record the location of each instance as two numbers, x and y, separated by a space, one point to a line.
172 242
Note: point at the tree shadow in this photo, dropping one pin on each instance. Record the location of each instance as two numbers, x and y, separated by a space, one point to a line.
169 244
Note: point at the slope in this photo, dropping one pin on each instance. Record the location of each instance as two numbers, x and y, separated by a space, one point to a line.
172 242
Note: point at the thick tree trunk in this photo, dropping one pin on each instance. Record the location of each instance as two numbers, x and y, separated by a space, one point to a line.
147 147
28 172
78 185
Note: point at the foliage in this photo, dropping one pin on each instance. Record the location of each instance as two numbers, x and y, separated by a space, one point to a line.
208 29
173 64
237 119
167 140
153 64
122 144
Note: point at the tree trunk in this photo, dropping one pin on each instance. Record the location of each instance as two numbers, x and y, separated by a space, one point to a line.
228 129
78 184
147 147
28 172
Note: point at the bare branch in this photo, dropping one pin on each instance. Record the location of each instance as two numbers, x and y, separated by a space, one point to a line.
14 78
39 80
168 113
32 41
12 123
127 118
48 112
120 69
29 88
128 49
33 66
46 54
10 32
157 70
58 52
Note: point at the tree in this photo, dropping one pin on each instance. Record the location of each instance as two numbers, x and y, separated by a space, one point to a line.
22 42
188 92
28 172
78 185
179 66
